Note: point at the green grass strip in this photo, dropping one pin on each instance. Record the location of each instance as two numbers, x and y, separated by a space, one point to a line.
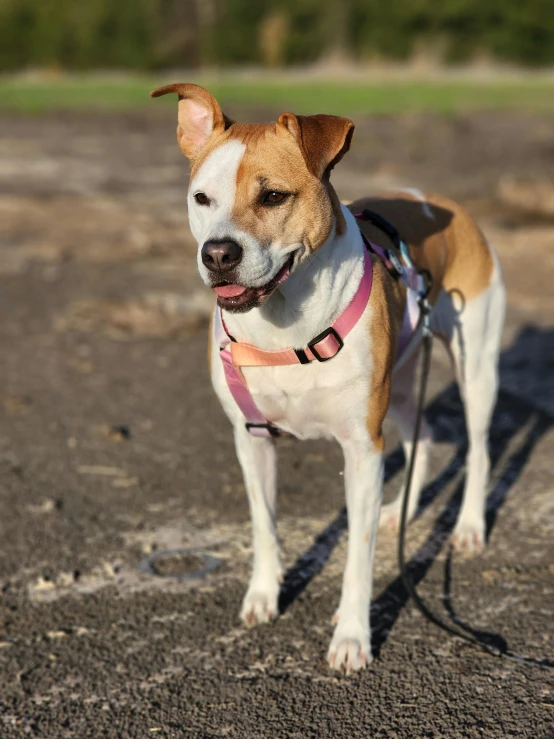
27 95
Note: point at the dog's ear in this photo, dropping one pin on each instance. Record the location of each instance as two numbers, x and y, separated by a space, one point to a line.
199 116
323 139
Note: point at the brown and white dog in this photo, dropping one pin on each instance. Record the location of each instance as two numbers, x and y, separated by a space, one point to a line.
260 202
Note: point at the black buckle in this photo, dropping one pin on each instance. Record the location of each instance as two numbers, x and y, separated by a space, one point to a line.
301 354
273 430
328 332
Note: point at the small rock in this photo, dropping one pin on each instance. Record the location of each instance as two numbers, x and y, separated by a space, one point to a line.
124 482
101 470
118 433
47 506
15 405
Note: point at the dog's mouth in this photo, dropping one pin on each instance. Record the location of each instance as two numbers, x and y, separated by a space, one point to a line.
239 298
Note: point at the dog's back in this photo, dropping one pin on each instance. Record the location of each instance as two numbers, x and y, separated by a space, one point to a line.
441 237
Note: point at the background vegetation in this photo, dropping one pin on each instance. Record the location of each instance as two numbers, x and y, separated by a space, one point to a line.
156 34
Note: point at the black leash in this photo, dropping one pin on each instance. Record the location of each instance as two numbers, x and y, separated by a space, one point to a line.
427 341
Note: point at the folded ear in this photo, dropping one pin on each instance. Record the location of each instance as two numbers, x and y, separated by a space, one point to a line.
323 139
199 116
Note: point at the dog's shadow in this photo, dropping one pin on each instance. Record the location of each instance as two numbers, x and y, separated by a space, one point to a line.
525 403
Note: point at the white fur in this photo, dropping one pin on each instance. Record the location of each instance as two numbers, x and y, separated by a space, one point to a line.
330 400
217 178
475 345
403 412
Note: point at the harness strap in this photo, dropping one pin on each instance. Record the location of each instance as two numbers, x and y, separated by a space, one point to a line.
403 270
323 347
329 342
412 281
257 424
417 282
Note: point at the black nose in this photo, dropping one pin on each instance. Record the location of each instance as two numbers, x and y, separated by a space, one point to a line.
221 256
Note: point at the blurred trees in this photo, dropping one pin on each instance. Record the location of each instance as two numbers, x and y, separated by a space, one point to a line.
151 34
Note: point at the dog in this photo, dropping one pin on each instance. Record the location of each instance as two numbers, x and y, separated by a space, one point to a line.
288 261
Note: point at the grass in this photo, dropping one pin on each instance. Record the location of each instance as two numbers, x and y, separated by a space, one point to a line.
32 95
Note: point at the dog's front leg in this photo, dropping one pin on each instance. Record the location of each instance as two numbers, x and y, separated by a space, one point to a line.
258 461
351 644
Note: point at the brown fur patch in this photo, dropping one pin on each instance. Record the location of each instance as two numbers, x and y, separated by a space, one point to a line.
340 221
387 301
322 139
272 161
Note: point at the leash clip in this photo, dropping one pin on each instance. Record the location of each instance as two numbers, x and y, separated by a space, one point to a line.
425 317
423 301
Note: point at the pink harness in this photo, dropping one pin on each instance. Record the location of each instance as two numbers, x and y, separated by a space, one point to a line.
323 347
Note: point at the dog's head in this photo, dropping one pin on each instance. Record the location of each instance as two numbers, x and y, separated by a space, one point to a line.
259 196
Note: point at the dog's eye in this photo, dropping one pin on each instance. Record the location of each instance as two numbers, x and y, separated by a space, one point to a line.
201 198
272 197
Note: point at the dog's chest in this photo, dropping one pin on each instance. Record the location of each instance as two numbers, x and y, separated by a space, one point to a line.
319 399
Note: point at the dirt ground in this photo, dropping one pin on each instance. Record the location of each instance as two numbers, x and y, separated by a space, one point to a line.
119 481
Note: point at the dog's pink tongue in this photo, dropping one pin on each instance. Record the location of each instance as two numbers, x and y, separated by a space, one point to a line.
229 291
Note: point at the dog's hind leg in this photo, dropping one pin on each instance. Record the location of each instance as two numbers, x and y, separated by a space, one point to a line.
475 347
257 459
402 412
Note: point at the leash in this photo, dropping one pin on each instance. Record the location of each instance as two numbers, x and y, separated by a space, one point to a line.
427 344
480 643
420 283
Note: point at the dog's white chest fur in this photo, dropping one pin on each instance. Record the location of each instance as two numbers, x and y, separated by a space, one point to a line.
303 399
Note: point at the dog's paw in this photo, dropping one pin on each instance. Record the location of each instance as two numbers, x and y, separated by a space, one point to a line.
259 607
468 538
349 652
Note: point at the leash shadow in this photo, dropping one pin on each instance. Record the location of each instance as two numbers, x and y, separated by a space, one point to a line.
386 609
512 416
